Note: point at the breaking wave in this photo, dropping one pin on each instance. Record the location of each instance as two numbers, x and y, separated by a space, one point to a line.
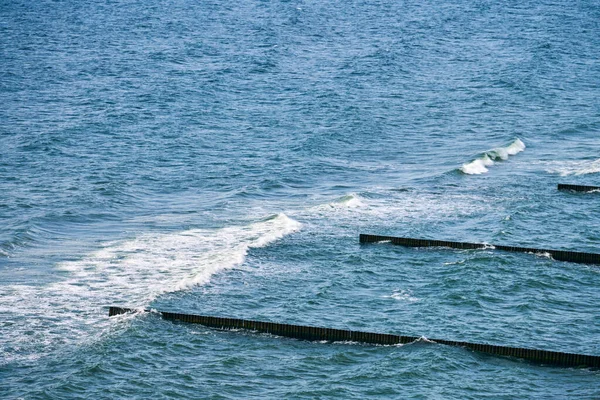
351 200
132 273
481 164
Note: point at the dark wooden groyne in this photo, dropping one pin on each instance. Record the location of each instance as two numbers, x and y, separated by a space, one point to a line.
571 256
340 335
578 188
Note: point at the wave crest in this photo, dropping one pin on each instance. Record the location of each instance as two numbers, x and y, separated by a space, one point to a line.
350 201
481 164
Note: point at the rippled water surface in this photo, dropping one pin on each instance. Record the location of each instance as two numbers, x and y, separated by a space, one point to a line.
222 158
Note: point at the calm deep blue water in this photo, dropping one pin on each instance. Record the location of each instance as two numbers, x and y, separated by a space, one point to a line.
222 158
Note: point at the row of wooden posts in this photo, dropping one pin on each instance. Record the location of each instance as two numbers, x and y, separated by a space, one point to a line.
339 335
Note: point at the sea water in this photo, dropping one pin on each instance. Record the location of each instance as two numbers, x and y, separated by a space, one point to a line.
222 158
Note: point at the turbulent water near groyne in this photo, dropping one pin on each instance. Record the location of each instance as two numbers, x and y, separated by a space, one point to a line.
222 159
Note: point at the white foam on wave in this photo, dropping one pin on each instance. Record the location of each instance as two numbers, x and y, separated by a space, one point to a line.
391 208
171 262
350 201
130 273
567 168
544 254
480 165
402 295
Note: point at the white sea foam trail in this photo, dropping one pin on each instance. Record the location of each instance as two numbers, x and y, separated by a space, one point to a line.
133 273
481 164
567 168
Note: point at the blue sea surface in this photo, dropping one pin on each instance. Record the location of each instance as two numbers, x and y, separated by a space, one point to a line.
222 158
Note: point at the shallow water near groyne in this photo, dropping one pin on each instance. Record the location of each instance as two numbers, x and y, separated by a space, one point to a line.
222 159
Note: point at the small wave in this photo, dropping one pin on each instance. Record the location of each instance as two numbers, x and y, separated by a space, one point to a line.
394 208
351 200
567 168
424 339
481 164
455 262
478 166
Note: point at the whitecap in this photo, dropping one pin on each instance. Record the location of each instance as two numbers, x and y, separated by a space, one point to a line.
347 202
351 200
477 166
487 159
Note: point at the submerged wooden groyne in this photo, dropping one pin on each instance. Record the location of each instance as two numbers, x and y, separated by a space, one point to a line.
340 335
578 188
561 255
